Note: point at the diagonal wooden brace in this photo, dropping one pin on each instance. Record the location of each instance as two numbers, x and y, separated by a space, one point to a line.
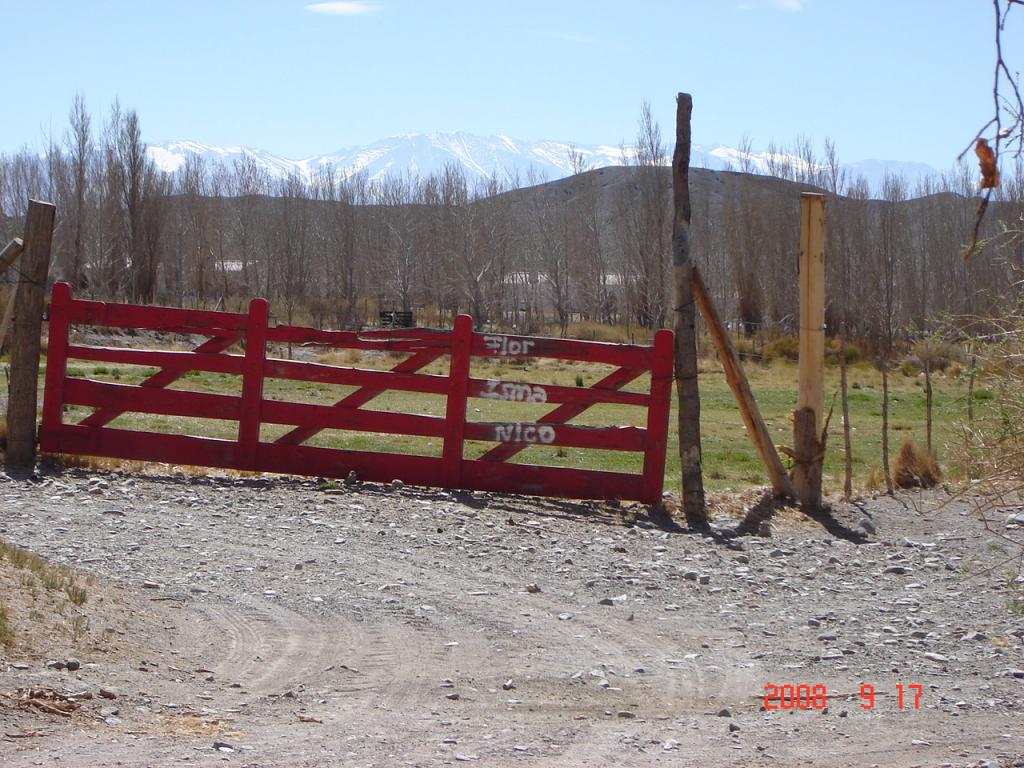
161 379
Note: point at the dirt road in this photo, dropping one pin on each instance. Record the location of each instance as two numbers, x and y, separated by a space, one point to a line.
271 622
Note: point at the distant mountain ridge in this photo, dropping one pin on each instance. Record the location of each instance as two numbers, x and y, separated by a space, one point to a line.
422 154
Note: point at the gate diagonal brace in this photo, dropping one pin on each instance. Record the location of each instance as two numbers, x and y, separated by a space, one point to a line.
363 395
162 379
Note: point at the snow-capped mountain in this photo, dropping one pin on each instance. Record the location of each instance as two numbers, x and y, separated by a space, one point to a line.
484 156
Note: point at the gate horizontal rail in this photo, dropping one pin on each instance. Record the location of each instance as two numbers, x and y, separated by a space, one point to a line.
287 454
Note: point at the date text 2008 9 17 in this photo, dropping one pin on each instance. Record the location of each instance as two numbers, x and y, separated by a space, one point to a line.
803 696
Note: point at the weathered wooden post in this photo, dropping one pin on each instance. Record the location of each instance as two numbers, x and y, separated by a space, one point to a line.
22 401
808 441
686 322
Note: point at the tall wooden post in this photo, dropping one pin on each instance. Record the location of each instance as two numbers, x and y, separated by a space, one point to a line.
685 322
807 420
22 401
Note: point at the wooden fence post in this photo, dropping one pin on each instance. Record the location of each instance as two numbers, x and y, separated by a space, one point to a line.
56 360
252 382
458 393
23 400
657 416
686 323
807 419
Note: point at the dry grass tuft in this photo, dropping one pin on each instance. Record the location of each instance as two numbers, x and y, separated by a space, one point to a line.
6 633
875 480
53 578
915 467
341 358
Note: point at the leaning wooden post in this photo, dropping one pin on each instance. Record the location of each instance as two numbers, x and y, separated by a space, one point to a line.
807 439
686 322
8 256
737 380
22 401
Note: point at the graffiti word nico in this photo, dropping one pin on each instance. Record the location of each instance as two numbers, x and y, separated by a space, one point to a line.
524 433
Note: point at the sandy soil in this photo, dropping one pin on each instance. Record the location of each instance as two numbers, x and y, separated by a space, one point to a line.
270 622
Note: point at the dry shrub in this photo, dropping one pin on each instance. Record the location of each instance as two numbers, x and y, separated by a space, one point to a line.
874 481
787 347
613 334
915 467
341 358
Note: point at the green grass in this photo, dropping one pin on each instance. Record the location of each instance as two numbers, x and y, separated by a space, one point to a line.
730 460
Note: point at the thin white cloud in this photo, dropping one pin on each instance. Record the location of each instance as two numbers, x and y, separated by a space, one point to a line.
346 8
789 5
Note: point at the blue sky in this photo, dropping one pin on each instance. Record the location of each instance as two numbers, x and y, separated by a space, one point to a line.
894 79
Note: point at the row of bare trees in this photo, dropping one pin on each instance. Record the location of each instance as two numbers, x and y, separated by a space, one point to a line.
332 248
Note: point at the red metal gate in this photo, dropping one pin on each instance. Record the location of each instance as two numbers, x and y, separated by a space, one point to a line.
491 472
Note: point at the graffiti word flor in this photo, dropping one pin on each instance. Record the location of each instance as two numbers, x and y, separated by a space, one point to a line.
519 393
503 345
524 433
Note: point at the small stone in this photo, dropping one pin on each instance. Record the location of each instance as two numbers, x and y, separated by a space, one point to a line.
724 713
935 656
108 693
150 585
703 579
453 696
975 636
55 665
899 570
691 575
764 530
867 526
508 685
626 714
397 485
72 664
733 727
20 666
532 589
564 616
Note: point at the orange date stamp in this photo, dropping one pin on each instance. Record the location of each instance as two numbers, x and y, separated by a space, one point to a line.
804 696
